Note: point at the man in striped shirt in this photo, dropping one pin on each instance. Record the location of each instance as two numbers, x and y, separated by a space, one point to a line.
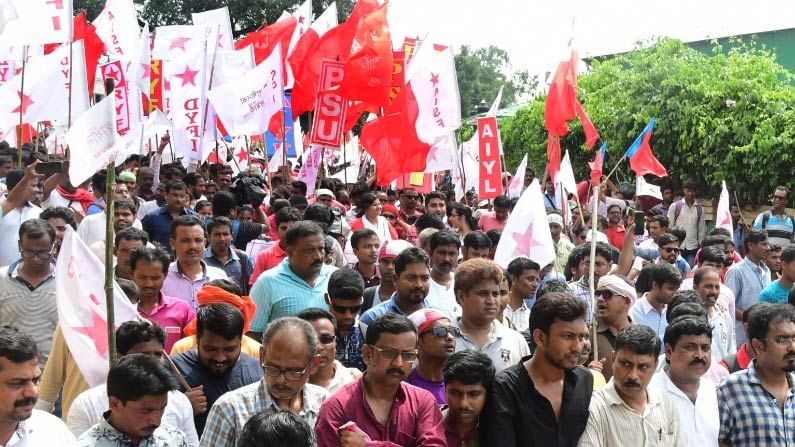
779 226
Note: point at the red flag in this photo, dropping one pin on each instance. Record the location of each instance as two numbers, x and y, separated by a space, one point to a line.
597 166
355 111
264 40
644 162
560 105
591 134
94 47
368 72
553 156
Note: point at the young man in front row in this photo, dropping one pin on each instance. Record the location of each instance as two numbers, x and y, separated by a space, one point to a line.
467 378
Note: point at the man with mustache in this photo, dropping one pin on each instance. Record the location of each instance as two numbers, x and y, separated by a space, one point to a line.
435 343
298 282
477 287
614 297
188 273
20 423
384 409
138 388
445 246
706 282
687 357
626 412
467 379
288 359
756 405
217 365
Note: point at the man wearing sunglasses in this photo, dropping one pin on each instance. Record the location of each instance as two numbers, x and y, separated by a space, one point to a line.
614 297
670 253
381 408
436 343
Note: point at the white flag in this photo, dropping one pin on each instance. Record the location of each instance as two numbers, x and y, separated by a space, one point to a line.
517 183
232 65
441 157
141 71
277 160
642 188
723 217
217 19
82 311
432 78
496 104
246 106
565 175
176 41
188 80
38 22
526 232
117 26
91 140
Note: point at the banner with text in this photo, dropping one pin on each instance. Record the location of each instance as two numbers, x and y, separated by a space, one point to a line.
490 185
330 108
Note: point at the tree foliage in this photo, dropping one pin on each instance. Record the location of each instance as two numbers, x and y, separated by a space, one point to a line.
482 71
728 115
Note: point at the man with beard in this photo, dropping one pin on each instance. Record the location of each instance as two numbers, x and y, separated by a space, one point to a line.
687 357
614 297
408 206
669 252
216 366
477 288
435 343
382 406
525 406
626 412
20 423
413 278
445 246
136 411
435 203
756 405
92 229
649 310
706 282
188 273
467 378
288 358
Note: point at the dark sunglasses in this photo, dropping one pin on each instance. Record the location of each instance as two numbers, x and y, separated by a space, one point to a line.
388 216
671 250
345 309
326 339
604 294
444 331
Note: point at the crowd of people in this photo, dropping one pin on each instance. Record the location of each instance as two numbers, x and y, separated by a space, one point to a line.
358 315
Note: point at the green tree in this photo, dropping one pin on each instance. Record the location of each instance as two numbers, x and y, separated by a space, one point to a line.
727 115
482 71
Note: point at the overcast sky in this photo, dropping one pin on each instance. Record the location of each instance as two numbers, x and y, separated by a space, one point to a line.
535 33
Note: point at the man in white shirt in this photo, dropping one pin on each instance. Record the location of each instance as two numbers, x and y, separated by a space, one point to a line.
92 229
20 423
13 218
688 342
133 337
706 282
445 246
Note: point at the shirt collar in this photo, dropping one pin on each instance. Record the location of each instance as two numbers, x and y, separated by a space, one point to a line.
174 267
208 253
110 433
613 398
645 305
312 397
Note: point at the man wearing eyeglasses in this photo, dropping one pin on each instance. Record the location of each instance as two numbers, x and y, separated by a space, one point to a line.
28 298
669 252
289 357
614 297
408 206
779 225
330 374
436 336
756 405
381 408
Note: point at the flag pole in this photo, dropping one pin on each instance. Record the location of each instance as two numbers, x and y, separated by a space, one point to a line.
110 187
21 100
591 285
69 111
344 159
615 167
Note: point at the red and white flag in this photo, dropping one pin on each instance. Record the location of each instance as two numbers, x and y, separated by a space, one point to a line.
82 310
38 22
278 158
174 42
117 26
91 139
141 70
188 81
246 106
305 64
723 217
517 183
526 232
217 19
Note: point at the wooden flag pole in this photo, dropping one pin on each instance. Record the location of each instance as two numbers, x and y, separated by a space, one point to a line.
21 101
110 188
591 285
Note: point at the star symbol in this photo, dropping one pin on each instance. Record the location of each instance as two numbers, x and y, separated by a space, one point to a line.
25 102
301 20
146 70
241 155
434 78
187 76
112 72
97 332
524 242
727 220
179 42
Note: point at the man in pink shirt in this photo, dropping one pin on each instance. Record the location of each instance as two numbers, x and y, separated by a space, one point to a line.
271 257
380 407
496 219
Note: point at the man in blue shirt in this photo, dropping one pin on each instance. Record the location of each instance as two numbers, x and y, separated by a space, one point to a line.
298 282
777 292
650 310
158 223
222 254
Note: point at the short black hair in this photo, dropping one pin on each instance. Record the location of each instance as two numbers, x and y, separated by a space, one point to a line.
35 229
98 180
151 255
132 332
360 235
494 235
221 319
519 265
476 240
192 178
686 325
766 315
179 185
663 273
319 213
701 272
553 285
202 204
148 373
690 302
302 229
788 254
59 212
131 234
755 235
126 203
218 221
315 313
428 220
388 324
410 256
667 238
276 428
130 289
300 185
602 249
444 238
287 214
502 202
470 368
711 254
640 339
17 346
555 306
185 221
345 283
223 203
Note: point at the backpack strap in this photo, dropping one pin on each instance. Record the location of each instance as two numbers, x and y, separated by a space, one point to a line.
765 218
244 273
677 210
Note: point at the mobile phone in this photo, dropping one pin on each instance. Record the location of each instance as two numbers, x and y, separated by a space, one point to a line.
50 167
640 223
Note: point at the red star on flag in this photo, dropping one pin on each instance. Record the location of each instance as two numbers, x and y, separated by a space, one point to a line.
97 332
524 242
147 70
25 102
179 42
241 155
434 78
112 72
187 76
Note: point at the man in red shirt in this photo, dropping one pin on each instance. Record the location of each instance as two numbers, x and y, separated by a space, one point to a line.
380 407
496 220
271 257
615 227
